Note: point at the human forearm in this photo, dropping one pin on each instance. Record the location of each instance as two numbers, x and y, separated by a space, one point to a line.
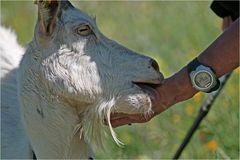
175 89
222 55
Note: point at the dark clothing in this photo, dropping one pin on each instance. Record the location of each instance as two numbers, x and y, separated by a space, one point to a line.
226 8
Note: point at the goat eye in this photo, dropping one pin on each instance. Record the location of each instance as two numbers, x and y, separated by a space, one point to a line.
84 30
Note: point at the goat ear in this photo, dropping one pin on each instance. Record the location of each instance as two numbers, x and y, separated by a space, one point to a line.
48 12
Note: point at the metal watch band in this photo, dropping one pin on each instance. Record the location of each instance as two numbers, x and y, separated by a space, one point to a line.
192 67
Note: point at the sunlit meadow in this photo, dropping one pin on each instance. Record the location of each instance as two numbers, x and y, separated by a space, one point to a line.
173 33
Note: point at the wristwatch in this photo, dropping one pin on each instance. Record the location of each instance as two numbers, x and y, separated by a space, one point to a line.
202 77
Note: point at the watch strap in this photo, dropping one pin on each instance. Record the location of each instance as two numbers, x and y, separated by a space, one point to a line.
193 65
215 87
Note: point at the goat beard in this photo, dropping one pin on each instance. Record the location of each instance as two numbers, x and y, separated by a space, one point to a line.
92 127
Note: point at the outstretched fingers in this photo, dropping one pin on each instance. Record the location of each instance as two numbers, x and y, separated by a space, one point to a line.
119 119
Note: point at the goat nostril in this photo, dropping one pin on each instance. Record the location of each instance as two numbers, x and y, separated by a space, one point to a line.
154 64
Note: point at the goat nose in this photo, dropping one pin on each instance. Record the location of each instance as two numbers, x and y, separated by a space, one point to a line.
154 64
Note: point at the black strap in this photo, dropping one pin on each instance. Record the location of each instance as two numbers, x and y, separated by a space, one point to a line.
193 65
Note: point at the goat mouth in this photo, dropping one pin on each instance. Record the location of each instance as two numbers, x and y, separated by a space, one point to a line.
144 85
149 88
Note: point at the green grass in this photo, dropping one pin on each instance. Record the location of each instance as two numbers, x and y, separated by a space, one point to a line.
173 33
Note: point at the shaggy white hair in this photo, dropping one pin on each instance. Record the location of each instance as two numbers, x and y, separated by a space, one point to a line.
11 51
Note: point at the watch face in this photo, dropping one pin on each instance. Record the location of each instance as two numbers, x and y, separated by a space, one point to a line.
203 79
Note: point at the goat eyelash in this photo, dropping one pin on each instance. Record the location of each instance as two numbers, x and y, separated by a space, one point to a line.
84 30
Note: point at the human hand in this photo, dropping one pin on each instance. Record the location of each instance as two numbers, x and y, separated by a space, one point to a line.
158 106
174 89
119 119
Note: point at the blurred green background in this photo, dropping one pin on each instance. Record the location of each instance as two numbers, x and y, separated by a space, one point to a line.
173 33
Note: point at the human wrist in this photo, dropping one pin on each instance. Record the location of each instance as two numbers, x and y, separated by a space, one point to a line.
177 88
184 88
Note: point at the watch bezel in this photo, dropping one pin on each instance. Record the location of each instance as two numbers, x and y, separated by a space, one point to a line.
196 84
207 70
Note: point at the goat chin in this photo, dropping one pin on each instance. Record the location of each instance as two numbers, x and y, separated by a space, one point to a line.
92 127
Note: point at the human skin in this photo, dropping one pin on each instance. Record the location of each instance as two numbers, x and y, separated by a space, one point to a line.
222 55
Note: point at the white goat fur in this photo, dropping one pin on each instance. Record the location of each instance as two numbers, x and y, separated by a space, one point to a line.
68 84
14 143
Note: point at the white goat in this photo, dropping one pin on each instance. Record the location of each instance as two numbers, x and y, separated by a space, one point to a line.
70 78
